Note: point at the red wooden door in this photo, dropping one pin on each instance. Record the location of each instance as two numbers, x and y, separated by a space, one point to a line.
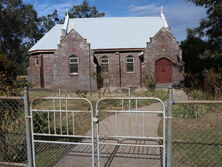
163 70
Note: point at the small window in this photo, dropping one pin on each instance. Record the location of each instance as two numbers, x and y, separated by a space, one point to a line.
105 64
130 64
74 65
37 61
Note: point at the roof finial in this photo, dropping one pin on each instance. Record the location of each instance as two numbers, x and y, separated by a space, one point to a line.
163 17
161 9
65 27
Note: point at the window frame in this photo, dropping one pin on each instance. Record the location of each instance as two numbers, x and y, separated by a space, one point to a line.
37 61
75 63
104 63
133 63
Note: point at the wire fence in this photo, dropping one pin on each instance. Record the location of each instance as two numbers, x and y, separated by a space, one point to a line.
12 131
197 135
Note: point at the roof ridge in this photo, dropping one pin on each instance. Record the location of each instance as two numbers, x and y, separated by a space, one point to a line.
116 17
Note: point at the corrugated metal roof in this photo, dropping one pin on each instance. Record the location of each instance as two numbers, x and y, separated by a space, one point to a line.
106 33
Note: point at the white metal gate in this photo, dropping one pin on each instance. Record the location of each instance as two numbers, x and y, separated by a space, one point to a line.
59 126
130 132
123 132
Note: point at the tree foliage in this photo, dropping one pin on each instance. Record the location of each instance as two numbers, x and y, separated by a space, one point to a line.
192 48
203 58
210 28
47 22
18 29
84 11
7 74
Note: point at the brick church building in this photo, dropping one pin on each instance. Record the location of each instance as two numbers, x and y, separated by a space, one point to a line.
121 50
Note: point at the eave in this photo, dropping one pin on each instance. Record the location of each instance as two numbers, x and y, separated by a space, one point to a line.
41 51
118 50
94 50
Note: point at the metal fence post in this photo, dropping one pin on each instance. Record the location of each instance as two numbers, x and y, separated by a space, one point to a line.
28 127
169 127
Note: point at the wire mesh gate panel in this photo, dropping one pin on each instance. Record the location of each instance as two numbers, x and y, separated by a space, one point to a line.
130 132
62 132
12 132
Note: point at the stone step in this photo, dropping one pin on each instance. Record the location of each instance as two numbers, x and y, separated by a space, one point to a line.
163 85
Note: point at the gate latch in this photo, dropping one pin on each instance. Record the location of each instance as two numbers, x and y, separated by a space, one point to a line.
95 119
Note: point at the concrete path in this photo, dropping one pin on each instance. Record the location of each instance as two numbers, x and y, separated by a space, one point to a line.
124 124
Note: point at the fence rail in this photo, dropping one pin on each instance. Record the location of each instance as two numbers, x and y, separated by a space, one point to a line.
199 102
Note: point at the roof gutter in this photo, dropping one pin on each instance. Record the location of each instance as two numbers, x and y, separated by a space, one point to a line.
95 50
41 51
119 50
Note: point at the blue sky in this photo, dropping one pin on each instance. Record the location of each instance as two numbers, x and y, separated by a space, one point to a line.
180 14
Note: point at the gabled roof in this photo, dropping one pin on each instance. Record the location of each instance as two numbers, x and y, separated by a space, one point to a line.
106 32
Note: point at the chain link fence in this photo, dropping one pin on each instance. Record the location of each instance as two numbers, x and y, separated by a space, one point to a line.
197 135
12 131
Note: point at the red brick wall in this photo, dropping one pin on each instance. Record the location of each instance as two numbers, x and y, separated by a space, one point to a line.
72 44
34 71
119 76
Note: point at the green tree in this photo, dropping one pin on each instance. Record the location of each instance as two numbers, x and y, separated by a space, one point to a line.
210 28
18 29
49 21
192 48
85 10
203 58
7 75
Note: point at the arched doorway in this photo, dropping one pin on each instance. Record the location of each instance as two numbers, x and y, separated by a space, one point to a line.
163 71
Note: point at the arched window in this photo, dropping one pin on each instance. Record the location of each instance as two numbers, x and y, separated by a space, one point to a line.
73 65
37 63
105 64
130 64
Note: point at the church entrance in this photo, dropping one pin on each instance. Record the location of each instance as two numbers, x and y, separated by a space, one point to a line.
163 71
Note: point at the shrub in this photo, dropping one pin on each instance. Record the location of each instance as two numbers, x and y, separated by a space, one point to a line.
161 94
212 82
149 81
194 81
82 93
190 111
198 94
